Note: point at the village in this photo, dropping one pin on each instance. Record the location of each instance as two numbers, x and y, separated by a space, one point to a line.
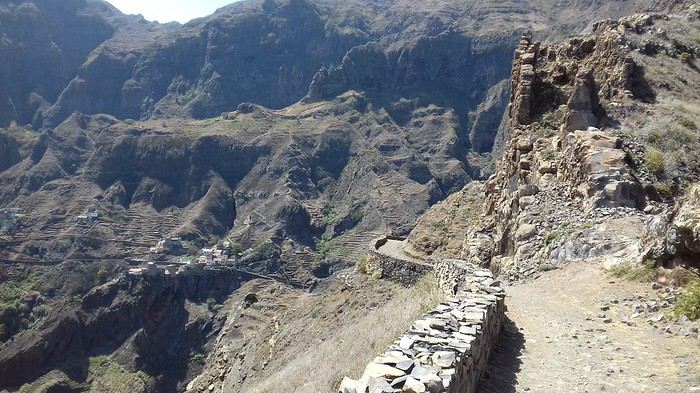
168 259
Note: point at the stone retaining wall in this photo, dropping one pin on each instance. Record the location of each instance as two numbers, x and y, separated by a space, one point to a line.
451 274
446 350
398 270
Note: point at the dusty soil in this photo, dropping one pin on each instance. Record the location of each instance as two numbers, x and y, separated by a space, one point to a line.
557 339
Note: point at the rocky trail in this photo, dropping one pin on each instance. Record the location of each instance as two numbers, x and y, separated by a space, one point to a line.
569 330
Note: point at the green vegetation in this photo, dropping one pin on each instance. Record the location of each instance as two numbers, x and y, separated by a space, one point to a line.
630 272
235 249
110 376
24 135
655 161
361 265
664 190
329 217
265 248
546 121
546 267
198 358
49 384
187 97
102 275
686 57
552 236
12 310
689 301
549 155
323 248
564 229
671 142
11 291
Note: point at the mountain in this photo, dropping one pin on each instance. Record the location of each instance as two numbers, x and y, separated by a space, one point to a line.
300 130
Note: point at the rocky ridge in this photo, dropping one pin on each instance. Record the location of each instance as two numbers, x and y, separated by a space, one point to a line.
574 182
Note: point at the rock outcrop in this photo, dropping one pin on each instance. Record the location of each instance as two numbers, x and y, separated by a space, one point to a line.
684 236
676 241
565 87
574 181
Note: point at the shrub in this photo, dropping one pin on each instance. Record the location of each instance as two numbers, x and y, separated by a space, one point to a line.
552 236
549 155
664 190
102 275
654 137
689 301
265 249
655 161
361 265
687 123
322 246
198 358
546 268
627 271
686 57
236 249
546 121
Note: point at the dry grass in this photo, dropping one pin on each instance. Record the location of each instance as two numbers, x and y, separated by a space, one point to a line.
325 348
655 161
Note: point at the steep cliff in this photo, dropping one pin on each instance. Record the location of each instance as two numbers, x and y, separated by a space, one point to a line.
587 172
43 46
130 68
153 325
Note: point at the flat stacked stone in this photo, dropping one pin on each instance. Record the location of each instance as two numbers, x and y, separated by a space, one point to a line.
447 349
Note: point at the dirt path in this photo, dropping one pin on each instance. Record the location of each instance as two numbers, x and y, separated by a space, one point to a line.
395 249
558 340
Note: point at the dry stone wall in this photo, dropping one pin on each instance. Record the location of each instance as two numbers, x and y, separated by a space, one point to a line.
447 349
454 275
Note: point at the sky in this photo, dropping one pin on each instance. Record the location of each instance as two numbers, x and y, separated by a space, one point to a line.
165 11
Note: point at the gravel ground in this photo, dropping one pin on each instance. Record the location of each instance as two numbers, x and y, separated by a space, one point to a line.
567 331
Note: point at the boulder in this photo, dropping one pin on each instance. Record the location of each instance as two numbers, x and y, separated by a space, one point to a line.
683 238
525 231
413 385
349 386
376 370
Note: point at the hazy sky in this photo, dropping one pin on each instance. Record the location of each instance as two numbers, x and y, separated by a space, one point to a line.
170 10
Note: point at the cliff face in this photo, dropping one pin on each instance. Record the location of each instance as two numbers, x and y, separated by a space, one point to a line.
209 66
155 324
578 178
43 45
267 52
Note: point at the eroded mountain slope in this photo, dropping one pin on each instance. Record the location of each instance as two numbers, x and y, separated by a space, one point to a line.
386 129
